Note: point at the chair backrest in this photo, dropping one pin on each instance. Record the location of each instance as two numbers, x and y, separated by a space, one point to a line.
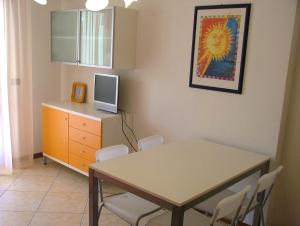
150 142
264 183
230 205
267 180
111 152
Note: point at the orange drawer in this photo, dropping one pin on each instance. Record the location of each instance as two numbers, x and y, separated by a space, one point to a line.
79 163
82 151
85 124
84 138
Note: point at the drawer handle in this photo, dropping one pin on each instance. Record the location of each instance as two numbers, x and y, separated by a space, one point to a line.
83 124
83 152
83 138
83 165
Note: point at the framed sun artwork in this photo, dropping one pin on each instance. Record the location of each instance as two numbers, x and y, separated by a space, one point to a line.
219 47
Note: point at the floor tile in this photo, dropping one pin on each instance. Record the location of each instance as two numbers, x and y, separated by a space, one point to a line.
39 169
72 183
56 219
21 201
106 218
6 181
40 161
15 218
66 173
17 172
32 183
64 202
47 170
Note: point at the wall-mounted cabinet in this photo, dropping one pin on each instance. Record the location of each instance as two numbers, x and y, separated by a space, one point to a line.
64 32
105 39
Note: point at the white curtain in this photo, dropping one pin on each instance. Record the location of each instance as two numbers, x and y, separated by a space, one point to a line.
5 139
96 34
19 72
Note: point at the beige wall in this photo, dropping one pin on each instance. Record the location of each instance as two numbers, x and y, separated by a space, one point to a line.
45 75
286 198
157 91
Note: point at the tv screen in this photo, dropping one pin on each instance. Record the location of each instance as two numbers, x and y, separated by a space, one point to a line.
106 92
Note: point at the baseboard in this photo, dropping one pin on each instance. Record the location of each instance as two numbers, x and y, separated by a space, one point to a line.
37 155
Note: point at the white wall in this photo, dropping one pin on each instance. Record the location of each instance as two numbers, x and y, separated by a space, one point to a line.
45 75
157 91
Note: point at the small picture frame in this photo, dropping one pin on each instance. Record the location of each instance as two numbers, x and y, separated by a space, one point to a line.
78 92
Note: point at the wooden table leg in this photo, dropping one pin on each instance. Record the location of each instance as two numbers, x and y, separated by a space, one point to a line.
260 197
93 199
177 216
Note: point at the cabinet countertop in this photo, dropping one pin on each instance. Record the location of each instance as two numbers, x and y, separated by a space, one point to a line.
85 109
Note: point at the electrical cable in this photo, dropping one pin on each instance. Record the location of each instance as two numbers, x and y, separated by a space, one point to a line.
131 130
125 133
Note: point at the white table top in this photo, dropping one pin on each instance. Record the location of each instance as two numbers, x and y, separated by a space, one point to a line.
182 171
82 109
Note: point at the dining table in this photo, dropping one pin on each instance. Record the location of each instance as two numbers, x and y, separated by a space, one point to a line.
177 175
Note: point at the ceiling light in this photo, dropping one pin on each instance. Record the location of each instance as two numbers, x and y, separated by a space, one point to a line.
96 5
128 2
42 2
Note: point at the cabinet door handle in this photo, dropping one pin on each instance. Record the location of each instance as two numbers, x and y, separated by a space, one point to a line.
83 138
83 152
66 118
83 124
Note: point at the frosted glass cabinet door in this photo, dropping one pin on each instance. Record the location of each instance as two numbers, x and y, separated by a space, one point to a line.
96 37
64 33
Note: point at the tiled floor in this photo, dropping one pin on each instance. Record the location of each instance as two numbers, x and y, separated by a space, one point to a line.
47 195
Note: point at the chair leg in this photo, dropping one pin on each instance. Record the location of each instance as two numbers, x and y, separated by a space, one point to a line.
100 190
99 212
262 218
45 160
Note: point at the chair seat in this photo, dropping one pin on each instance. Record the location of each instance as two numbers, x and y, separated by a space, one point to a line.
191 218
129 207
209 205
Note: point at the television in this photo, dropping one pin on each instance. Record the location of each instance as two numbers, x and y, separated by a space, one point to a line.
106 90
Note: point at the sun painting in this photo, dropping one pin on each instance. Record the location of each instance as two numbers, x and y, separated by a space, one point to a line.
217 47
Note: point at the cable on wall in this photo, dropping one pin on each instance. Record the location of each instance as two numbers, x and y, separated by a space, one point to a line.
124 121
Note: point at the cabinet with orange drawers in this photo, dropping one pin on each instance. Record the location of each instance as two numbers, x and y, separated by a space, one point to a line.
72 138
84 141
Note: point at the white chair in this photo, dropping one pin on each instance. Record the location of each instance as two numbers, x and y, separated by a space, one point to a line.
264 184
150 142
227 206
111 152
126 205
